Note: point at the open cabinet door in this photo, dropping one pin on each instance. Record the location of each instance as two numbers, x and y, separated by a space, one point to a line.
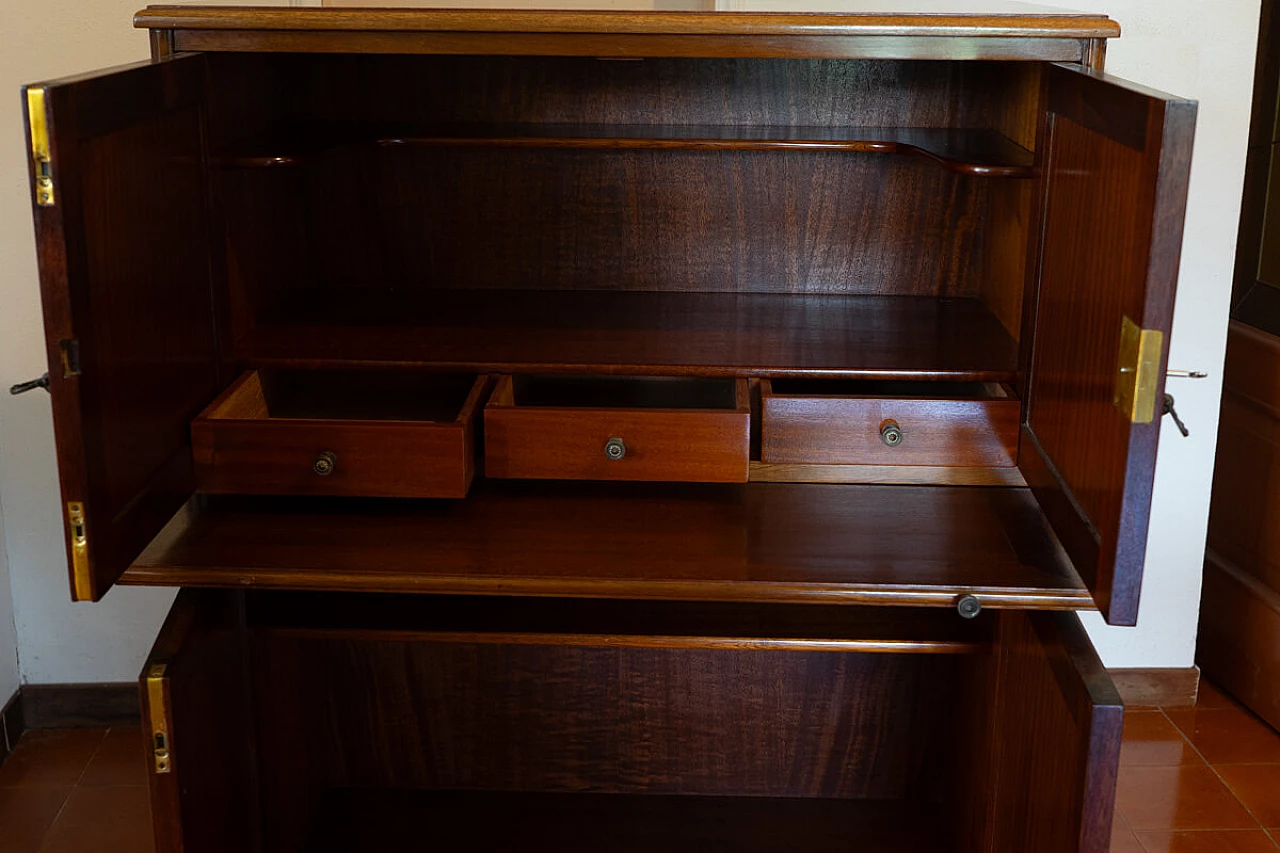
121 218
196 716
1116 168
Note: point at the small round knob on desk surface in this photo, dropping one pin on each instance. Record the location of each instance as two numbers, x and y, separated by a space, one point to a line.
325 463
891 433
615 449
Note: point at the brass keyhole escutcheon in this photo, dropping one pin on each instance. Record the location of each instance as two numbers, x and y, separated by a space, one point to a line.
891 433
325 463
615 449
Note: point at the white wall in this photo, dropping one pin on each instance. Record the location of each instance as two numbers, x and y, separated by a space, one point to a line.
8 632
1193 48
1203 51
57 641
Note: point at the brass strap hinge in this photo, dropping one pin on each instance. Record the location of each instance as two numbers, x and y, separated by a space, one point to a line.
41 158
1138 374
82 583
158 710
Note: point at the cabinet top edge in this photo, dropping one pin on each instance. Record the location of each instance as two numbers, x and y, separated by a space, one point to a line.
1040 26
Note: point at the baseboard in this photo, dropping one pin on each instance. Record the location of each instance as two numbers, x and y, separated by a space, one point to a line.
68 706
1149 688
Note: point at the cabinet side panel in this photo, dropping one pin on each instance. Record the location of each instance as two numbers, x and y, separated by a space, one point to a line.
1056 739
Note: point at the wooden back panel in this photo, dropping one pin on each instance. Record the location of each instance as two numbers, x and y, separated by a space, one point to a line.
418 218
560 718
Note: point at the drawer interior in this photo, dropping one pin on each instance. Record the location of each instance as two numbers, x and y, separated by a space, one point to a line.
624 392
347 395
893 389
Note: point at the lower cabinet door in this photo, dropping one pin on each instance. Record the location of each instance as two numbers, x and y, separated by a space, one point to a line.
334 722
200 732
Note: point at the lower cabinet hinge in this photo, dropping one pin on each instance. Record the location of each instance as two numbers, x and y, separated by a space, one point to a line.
79 533
158 710
1138 372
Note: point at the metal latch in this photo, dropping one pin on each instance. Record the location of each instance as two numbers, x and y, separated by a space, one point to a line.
158 710
41 159
83 585
1138 371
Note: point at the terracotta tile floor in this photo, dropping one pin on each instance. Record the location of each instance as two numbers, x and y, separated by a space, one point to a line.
75 791
1192 780
1204 779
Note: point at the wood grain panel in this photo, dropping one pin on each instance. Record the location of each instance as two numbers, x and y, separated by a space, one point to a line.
1246 476
207 802
640 334
1238 645
1117 173
125 281
709 445
1240 615
1056 739
610 622
865 21
763 542
240 448
941 431
562 718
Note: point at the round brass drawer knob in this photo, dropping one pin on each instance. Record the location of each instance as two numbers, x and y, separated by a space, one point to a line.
325 463
615 449
891 433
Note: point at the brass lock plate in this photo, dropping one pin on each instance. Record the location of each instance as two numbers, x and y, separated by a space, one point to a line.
1138 371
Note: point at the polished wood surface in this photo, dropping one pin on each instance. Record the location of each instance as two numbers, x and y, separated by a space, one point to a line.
886 475
833 423
618 623
982 153
633 333
207 801
528 437
389 436
358 820
125 282
1118 164
1056 735
1240 615
760 542
1068 25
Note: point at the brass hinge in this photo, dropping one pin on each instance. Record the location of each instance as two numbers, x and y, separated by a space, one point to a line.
83 585
41 160
158 709
1138 374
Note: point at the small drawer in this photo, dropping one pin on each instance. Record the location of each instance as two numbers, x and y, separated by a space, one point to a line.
847 422
673 429
366 434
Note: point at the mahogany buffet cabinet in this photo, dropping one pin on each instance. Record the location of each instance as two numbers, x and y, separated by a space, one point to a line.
609 431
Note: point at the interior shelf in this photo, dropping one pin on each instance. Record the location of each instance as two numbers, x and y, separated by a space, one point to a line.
765 542
981 152
404 820
630 332
617 623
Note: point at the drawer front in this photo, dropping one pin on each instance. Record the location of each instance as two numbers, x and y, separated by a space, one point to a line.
316 443
861 430
326 458
684 445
